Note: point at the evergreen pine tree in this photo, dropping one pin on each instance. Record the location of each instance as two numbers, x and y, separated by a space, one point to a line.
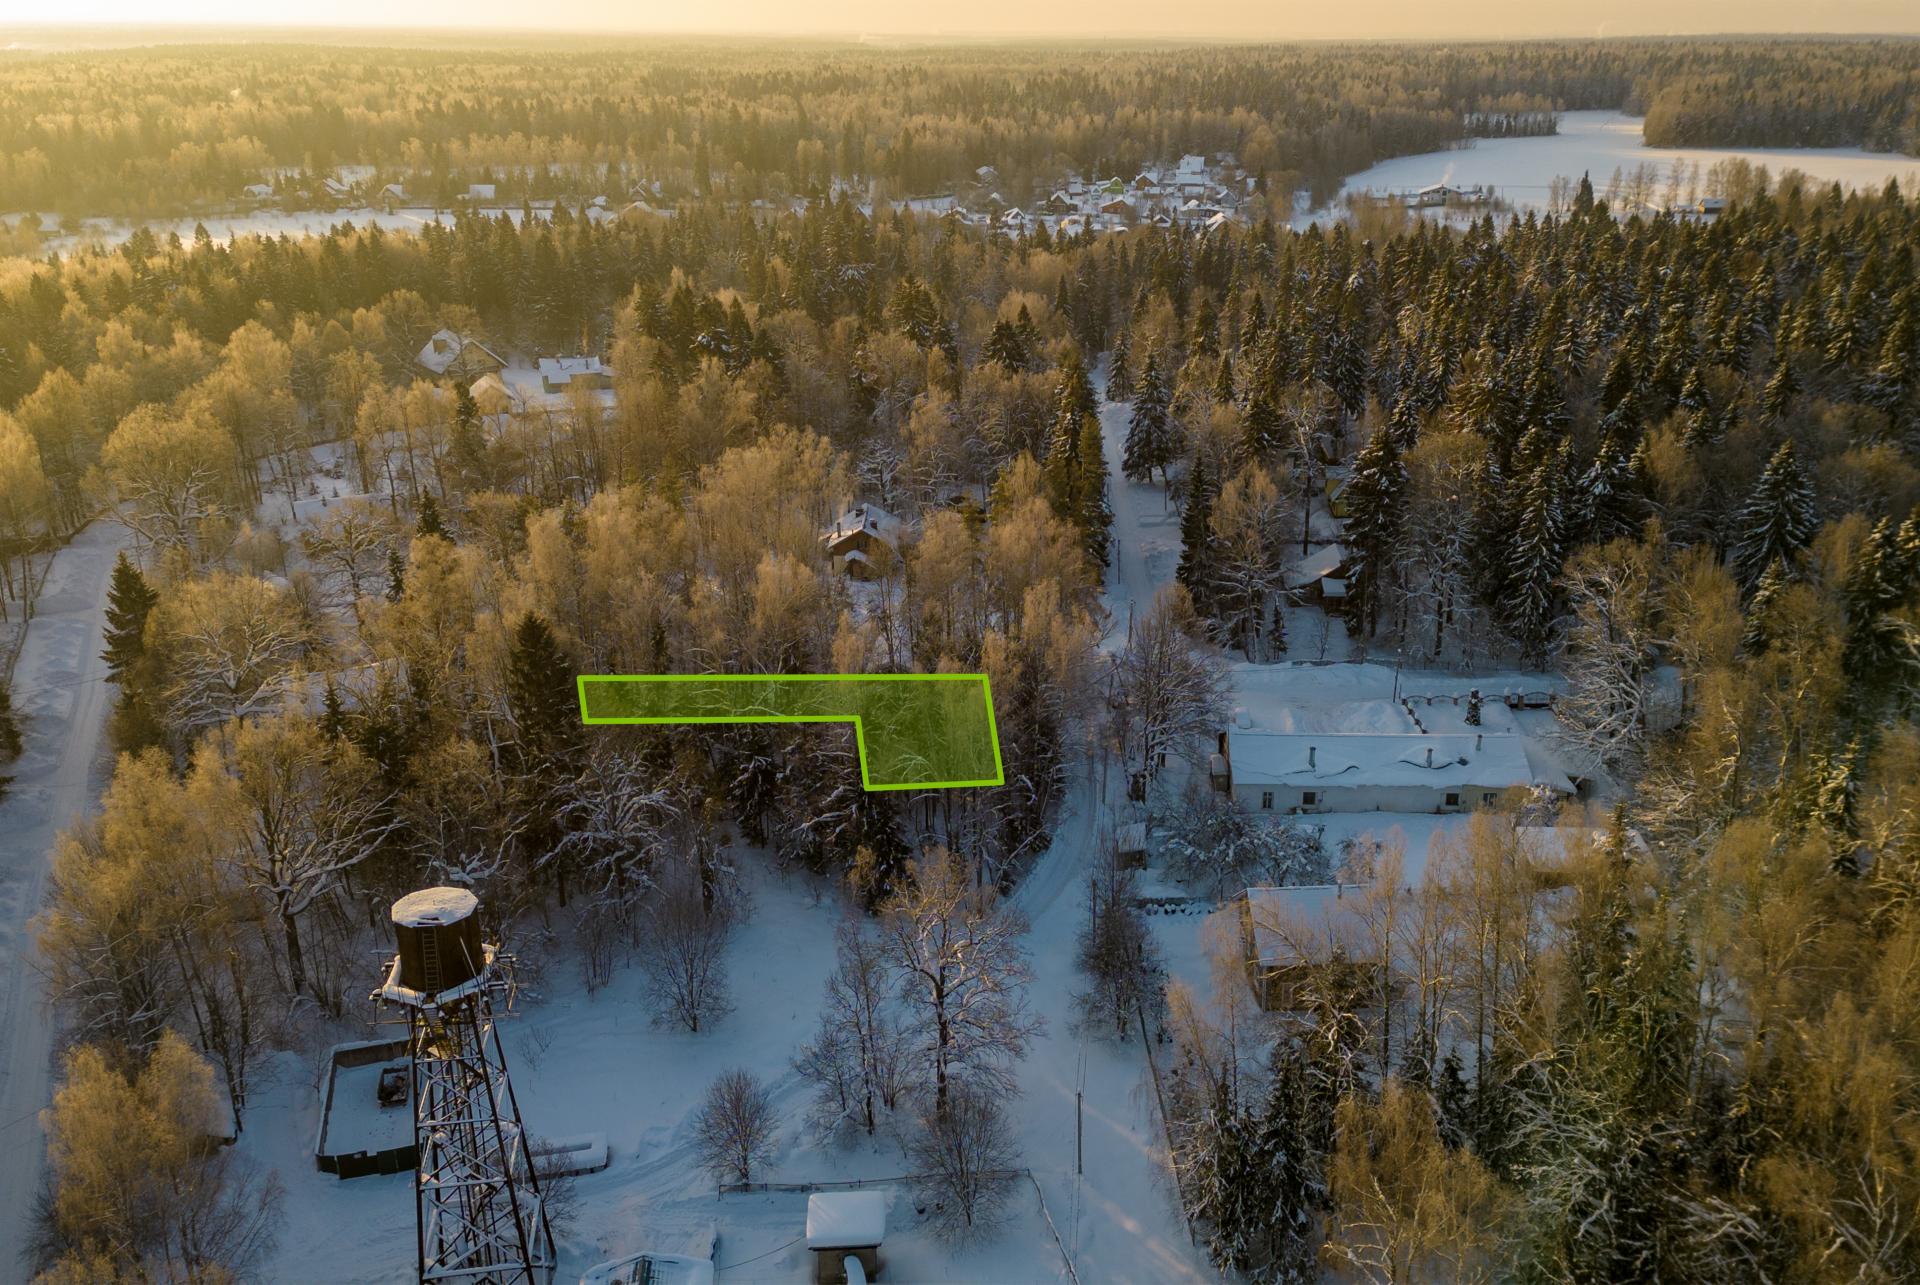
1120 372
1757 635
541 692
1149 432
1881 656
1538 550
396 576
1780 391
1093 513
1375 496
1223 392
428 521
1260 430
129 601
1778 519
1196 526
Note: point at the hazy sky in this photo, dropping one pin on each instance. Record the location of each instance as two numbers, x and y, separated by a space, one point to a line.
1257 19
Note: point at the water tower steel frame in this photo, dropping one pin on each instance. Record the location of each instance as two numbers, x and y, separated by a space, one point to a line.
479 1214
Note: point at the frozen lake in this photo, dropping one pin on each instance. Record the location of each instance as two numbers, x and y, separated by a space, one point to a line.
1521 170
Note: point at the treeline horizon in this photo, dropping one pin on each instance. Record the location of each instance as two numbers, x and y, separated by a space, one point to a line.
148 131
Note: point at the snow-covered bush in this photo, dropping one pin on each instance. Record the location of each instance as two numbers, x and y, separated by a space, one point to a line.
1216 846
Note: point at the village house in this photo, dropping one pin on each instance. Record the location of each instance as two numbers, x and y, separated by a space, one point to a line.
559 374
481 191
1320 578
258 191
453 356
1314 771
1301 943
864 542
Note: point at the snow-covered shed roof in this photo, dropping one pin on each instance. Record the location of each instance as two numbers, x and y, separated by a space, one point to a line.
1192 165
1291 925
1323 561
846 1219
481 191
1449 762
562 370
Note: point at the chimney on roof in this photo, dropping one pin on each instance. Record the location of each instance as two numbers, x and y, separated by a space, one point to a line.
1429 756
1310 752
1476 742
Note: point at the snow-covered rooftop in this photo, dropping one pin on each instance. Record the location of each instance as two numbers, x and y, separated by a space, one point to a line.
1295 924
870 518
1478 761
846 1219
440 352
432 907
561 370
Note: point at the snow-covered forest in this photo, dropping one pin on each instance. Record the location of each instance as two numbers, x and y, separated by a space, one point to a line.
1618 512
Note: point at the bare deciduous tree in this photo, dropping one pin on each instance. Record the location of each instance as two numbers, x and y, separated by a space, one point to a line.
962 972
1175 696
683 947
734 1129
965 1154
857 1060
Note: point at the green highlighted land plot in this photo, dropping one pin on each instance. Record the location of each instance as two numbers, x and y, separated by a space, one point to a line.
915 731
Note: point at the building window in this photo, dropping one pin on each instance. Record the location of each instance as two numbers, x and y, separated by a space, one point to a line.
1453 800
1266 800
1488 798
1308 798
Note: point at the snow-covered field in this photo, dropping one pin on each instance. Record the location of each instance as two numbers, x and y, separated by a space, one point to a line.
1597 143
596 1063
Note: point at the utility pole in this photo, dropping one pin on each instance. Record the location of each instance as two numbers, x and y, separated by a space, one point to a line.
1079 1135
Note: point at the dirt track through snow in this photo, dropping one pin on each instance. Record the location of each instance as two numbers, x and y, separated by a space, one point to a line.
62 696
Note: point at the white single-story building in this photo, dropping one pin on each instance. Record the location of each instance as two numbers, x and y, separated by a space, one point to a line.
1314 771
558 374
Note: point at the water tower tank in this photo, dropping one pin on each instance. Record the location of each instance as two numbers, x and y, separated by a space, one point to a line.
438 933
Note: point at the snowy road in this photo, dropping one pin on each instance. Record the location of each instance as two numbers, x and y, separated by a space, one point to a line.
61 693
1146 528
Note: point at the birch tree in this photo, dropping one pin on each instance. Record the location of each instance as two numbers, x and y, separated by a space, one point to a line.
300 812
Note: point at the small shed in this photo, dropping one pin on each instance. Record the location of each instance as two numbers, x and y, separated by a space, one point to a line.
1130 844
843 1226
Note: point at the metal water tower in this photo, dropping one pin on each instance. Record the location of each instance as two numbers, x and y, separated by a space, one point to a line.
478 1211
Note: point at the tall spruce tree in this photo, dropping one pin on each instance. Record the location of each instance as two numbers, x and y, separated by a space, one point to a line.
1375 498
1195 572
1149 442
1778 520
130 599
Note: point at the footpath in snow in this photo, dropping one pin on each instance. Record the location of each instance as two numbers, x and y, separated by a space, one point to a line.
61 692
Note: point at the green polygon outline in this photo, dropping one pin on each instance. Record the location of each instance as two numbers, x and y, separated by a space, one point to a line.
859 728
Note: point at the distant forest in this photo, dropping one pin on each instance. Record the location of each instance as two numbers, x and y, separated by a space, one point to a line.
152 131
